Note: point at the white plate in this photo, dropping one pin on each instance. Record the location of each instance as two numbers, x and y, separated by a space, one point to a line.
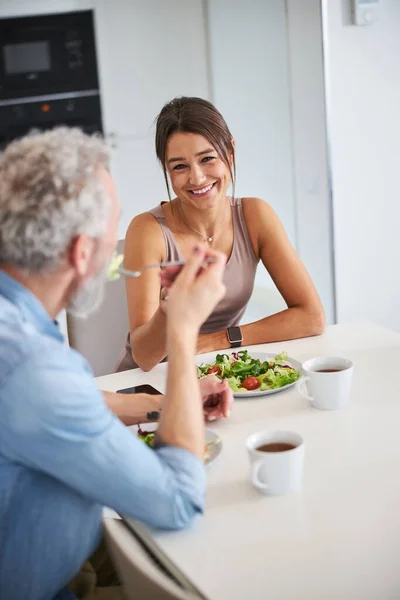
262 356
213 441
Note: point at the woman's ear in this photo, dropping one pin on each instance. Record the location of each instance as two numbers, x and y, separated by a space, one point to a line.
231 154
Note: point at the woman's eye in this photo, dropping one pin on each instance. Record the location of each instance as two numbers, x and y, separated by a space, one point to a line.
208 158
179 167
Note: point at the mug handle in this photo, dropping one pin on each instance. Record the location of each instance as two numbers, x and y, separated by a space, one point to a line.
255 478
301 388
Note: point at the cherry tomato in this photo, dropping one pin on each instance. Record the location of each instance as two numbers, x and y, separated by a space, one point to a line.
215 369
251 383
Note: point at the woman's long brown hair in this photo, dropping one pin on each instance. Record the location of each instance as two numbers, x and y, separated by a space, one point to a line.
194 115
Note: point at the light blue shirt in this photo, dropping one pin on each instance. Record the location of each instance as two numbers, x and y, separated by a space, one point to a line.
64 455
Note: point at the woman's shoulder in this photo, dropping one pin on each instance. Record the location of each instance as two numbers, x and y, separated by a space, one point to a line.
144 228
146 222
261 220
254 203
257 211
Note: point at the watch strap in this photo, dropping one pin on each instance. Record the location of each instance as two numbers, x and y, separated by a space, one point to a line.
236 344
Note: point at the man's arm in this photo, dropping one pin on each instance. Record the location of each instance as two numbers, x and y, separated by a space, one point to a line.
73 437
182 422
133 408
191 299
54 420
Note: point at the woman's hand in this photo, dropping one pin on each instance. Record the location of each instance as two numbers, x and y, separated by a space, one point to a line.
217 397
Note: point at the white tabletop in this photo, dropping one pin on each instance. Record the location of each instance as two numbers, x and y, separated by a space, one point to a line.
339 538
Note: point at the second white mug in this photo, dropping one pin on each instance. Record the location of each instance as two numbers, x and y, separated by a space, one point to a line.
328 380
276 459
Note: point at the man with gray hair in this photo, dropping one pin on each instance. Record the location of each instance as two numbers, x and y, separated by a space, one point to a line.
64 454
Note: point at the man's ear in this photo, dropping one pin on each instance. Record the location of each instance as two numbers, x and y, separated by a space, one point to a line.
80 255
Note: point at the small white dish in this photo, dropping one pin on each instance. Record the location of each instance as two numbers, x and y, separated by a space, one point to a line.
213 441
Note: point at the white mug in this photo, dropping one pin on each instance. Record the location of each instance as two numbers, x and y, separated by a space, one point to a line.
328 381
276 473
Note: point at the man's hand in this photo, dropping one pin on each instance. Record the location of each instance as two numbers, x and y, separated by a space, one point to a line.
217 397
193 291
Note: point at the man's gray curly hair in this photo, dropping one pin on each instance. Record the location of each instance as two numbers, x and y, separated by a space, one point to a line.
49 194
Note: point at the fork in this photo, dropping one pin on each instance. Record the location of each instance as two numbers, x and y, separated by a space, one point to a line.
170 263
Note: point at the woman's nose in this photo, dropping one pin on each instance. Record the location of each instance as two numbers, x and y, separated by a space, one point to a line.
197 176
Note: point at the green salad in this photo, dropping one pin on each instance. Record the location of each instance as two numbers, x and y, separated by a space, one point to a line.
245 373
148 437
115 263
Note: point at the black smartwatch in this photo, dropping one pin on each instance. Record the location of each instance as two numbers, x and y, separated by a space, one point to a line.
234 336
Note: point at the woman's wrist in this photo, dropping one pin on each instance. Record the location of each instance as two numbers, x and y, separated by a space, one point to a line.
207 342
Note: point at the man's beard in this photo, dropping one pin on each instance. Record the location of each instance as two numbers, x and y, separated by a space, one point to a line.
90 297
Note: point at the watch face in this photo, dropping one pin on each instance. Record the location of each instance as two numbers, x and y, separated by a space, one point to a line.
235 334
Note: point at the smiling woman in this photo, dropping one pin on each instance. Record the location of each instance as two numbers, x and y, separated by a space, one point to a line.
197 153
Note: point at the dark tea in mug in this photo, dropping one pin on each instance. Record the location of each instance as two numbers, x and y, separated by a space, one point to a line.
276 447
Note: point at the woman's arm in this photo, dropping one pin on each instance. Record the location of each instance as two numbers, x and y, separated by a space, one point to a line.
144 244
305 315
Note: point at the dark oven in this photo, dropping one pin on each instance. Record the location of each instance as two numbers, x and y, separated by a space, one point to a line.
48 73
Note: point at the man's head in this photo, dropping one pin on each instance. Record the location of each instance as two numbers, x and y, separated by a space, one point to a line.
59 212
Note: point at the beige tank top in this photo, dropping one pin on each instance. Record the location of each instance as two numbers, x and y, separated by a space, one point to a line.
238 278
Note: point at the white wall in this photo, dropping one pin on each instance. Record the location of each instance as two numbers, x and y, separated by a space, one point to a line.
312 194
268 81
250 86
364 131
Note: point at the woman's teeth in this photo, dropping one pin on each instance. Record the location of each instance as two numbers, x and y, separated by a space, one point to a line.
203 190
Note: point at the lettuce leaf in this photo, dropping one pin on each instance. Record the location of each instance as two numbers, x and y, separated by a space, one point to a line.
235 384
115 263
277 378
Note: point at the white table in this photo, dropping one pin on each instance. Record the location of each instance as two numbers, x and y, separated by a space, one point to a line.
339 538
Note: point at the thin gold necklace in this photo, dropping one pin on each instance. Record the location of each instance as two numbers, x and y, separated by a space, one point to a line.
206 238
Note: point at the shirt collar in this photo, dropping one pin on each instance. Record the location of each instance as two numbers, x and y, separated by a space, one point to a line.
30 307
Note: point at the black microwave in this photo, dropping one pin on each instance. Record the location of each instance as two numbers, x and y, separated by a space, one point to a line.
47 55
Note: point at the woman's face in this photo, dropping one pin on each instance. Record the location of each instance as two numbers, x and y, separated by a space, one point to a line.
198 175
